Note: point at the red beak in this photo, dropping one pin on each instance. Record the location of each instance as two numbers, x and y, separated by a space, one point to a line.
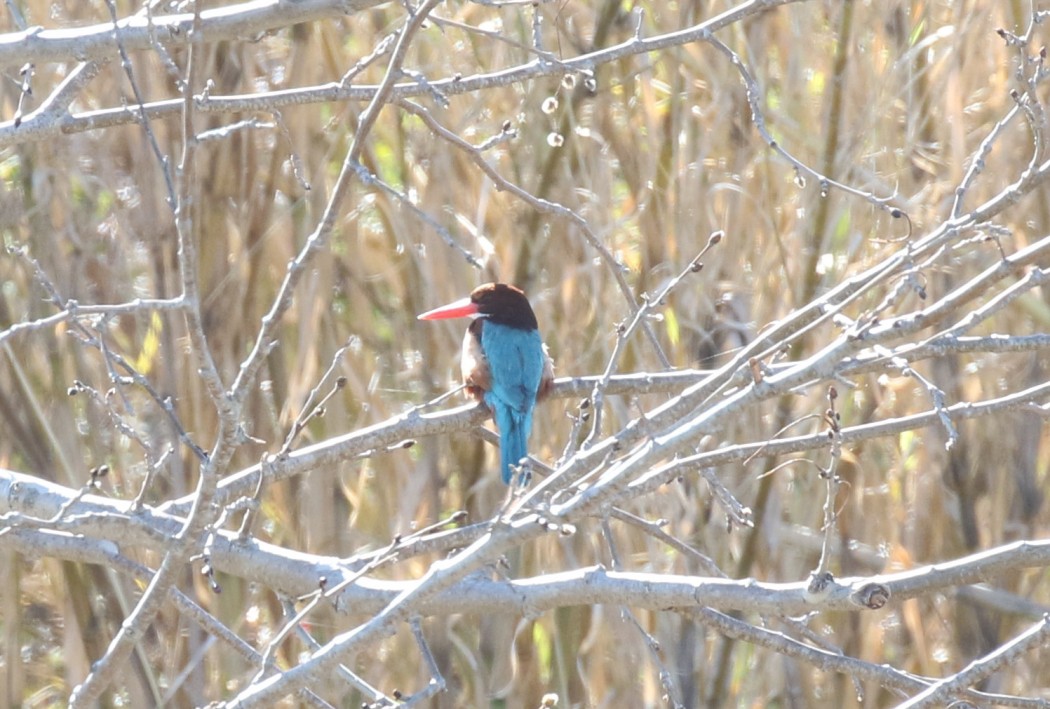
460 309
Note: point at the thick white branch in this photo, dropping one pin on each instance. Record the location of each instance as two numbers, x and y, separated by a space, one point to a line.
245 21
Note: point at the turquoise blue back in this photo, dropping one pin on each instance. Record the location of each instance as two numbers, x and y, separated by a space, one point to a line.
515 358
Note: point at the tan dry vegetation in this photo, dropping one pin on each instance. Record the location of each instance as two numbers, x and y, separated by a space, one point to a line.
888 97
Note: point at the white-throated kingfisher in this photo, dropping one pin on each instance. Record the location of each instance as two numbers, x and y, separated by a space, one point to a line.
504 362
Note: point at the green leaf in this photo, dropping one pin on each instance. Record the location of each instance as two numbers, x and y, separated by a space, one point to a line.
541 640
674 331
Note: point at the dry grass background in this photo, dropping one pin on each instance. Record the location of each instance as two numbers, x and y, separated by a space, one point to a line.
885 96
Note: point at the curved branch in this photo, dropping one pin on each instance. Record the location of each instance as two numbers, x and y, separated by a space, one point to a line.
37 126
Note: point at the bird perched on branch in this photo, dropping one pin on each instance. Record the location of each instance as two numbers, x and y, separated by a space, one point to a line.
504 362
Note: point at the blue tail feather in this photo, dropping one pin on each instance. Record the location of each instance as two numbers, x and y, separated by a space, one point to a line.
513 436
